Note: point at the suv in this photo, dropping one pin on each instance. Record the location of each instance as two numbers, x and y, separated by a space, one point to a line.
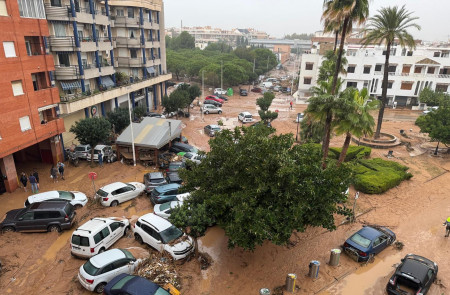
245 117
415 274
211 130
106 150
40 216
175 166
160 234
182 147
152 180
97 235
243 92
83 151
167 193
174 177
212 102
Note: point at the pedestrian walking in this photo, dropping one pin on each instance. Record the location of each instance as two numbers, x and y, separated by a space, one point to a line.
291 103
53 173
61 170
33 183
24 180
447 227
36 175
100 159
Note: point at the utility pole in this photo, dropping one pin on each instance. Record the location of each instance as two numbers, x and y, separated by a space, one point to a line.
221 74
293 77
267 63
203 94
254 64
131 126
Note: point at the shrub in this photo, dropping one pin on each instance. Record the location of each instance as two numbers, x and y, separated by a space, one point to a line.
376 176
353 152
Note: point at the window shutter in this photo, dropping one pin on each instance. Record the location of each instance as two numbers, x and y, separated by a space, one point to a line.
3 10
60 30
10 50
25 123
17 88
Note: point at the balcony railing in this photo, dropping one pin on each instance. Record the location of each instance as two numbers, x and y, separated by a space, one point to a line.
417 75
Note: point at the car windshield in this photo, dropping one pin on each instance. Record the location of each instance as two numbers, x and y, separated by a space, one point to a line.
66 195
128 254
216 128
80 241
164 206
188 155
97 152
155 192
404 284
161 291
121 283
80 149
194 150
171 234
131 186
157 180
360 240
102 193
90 269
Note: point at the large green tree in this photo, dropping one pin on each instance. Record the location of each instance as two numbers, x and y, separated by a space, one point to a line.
92 131
389 25
119 119
183 41
433 98
437 124
177 100
175 63
328 66
259 186
264 105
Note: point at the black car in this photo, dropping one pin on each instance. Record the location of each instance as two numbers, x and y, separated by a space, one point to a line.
173 177
170 83
127 284
213 102
414 274
40 216
222 97
243 92
178 147
174 166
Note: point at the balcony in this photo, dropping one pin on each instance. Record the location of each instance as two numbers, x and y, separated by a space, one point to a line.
101 19
56 13
152 44
122 21
67 73
51 128
62 43
104 44
87 44
128 42
129 62
73 103
84 16
107 70
91 71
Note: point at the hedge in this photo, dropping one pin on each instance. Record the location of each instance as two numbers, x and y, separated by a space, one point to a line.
353 152
375 176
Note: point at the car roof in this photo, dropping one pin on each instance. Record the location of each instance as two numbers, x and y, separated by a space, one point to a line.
167 187
49 205
155 175
183 145
94 223
44 195
113 186
99 146
246 113
156 221
83 145
369 232
106 257
137 285
214 126
415 269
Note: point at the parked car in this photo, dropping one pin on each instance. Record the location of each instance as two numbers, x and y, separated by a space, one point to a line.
119 192
83 151
299 117
102 268
107 152
256 89
367 242
167 193
211 109
277 88
179 84
175 166
429 110
182 147
222 97
97 235
212 102
77 199
154 115
243 92
40 216
182 139
220 91
196 158
170 83
215 98
211 130
160 234
174 177
152 180
260 123
414 275
245 117
165 209
125 284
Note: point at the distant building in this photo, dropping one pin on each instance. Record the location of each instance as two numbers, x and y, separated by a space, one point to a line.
282 47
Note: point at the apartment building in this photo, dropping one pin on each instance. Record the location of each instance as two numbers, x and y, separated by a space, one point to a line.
409 70
30 125
106 53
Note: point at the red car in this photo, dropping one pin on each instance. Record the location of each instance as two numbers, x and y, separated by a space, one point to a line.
256 89
215 98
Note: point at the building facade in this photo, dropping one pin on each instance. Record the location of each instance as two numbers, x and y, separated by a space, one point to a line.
30 125
409 70
106 53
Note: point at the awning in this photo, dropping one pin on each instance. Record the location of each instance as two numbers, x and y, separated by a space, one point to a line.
151 70
107 81
51 106
70 85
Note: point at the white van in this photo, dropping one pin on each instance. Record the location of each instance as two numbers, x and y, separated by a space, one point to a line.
97 235
245 117
267 84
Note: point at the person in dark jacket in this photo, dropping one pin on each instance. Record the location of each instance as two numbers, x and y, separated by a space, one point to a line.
61 170
24 180
33 183
53 173
36 175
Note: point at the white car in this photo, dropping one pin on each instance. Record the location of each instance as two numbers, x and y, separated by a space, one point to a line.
196 158
77 199
119 192
245 117
165 209
107 152
97 235
220 91
102 268
163 236
211 109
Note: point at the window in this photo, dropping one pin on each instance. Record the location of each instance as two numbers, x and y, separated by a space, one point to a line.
437 54
60 30
392 68
17 87
441 87
3 10
107 268
31 8
119 12
431 70
28 46
120 263
135 72
130 12
132 33
307 81
25 123
406 85
352 84
64 59
351 69
28 216
390 83
105 232
56 3
133 53
410 53
367 69
378 68
417 70
309 66
114 226
10 50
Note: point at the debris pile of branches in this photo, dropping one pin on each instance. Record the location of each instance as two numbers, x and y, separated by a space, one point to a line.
160 270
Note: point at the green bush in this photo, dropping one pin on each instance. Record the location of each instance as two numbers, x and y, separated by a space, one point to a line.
353 152
376 176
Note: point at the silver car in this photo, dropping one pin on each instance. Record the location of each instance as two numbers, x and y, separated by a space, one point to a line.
211 109
211 130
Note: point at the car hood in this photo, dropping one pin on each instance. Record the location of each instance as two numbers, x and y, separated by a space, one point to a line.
12 215
138 185
79 196
181 243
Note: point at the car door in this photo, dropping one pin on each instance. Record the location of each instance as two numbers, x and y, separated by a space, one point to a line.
379 244
148 238
107 237
41 219
129 192
106 274
121 266
429 278
118 195
25 222
157 240
116 231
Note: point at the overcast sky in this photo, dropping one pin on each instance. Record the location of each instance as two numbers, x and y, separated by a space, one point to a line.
282 17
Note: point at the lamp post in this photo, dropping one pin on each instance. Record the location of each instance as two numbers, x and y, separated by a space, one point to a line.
298 123
132 133
203 95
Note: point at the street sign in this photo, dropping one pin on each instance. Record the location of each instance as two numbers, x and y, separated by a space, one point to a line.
92 175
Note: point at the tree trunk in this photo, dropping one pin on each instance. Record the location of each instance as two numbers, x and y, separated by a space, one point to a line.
326 140
436 151
339 58
348 137
384 91
178 76
335 40
92 156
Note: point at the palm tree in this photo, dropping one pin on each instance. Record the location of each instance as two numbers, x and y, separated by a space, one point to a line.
353 116
391 23
328 66
335 27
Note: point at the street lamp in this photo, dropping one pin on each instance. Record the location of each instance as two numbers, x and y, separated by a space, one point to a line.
132 133
298 123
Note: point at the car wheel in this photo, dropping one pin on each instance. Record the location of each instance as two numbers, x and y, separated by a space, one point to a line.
220 112
8 229
78 206
138 239
207 112
101 251
54 228
125 231
114 204
100 287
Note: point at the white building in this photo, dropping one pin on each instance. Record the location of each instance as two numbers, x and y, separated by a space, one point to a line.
409 70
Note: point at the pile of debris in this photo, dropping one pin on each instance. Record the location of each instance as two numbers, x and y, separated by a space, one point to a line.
160 270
